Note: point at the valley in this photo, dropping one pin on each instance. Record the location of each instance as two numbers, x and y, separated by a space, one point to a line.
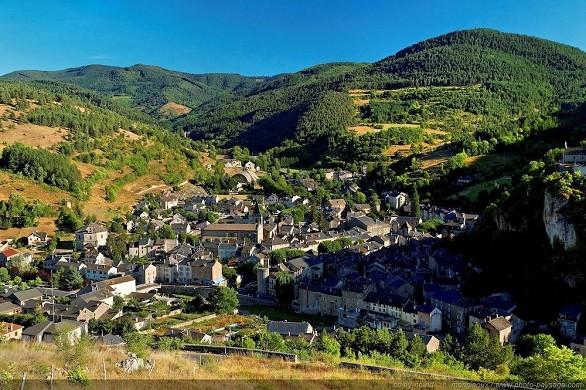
423 212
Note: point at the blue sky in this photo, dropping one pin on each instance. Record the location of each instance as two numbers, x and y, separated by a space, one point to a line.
255 37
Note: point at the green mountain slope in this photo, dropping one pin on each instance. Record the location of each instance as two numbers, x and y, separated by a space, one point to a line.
519 77
147 87
518 82
61 142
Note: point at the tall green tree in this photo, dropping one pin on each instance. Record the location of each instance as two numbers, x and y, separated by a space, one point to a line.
284 287
223 300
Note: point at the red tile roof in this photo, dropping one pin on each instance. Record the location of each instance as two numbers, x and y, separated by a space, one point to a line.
9 252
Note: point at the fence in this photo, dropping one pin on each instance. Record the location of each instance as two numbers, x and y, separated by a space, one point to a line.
222 350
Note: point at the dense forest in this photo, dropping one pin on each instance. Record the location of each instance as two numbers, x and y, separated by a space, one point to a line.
41 165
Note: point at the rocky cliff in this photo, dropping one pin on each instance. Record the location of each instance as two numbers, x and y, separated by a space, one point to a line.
557 225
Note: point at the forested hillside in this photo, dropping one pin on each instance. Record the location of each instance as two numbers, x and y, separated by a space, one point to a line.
147 87
510 86
519 82
68 143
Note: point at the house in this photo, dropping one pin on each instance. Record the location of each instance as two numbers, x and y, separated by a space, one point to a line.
192 334
250 166
272 199
252 232
92 234
308 183
343 175
500 328
396 199
111 340
9 308
432 343
429 318
165 245
370 225
181 227
363 208
168 201
10 331
21 297
144 274
574 155
207 272
336 204
292 329
579 346
37 239
48 330
9 254
52 261
120 286
383 305
99 272
568 318
87 295
455 308
141 248
86 312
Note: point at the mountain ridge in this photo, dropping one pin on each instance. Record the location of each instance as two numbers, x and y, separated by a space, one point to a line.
523 72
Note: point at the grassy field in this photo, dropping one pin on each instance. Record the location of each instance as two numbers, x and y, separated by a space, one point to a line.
173 109
183 368
278 314
13 130
492 164
472 192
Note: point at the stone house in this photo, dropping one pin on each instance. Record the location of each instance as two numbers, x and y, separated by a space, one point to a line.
10 331
92 234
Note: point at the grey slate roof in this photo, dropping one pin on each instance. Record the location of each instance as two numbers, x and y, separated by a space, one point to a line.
289 328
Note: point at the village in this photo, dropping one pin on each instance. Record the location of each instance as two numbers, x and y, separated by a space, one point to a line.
293 276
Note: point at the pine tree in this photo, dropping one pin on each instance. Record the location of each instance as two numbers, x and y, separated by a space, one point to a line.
415 202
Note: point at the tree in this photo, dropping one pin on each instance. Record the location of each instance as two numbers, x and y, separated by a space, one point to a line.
284 287
269 341
229 274
118 302
483 350
4 275
529 344
38 315
67 279
553 364
415 209
117 246
399 345
223 300
417 347
69 220
475 350
244 342
328 344
167 232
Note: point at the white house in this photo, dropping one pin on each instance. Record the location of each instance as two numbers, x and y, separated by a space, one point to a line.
249 166
396 199
120 286
37 238
99 272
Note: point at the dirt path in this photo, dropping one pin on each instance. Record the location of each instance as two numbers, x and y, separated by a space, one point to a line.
151 188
